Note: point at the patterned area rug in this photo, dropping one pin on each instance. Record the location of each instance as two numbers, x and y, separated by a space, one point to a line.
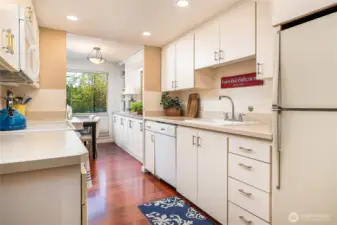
172 211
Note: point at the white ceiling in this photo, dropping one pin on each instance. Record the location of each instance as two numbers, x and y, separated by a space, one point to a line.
79 47
125 20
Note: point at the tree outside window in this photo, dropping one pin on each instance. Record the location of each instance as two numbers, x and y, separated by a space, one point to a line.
87 92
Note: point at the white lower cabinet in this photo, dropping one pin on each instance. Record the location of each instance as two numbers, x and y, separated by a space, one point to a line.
202 170
187 163
149 160
212 174
128 134
239 216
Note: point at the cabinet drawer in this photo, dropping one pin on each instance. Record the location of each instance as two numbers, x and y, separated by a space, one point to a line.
249 171
249 198
151 126
254 149
238 216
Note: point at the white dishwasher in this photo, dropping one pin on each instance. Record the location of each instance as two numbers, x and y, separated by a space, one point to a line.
164 151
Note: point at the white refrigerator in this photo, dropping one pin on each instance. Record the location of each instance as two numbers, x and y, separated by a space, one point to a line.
305 125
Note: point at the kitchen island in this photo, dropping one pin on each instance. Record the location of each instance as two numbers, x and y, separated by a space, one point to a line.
42 180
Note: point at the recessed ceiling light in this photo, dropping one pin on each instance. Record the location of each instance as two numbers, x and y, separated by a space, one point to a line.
146 33
182 3
72 18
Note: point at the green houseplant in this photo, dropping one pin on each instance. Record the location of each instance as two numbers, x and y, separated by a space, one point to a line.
171 105
137 107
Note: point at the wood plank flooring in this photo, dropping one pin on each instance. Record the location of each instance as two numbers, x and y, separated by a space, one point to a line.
119 186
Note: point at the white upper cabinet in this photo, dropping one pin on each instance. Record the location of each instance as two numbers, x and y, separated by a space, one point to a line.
287 10
9 36
168 68
266 40
133 73
237 33
185 62
207 45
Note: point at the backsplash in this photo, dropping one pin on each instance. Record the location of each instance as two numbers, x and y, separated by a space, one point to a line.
260 97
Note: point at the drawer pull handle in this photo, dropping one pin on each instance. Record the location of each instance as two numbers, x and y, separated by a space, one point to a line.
148 127
245 193
245 166
245 220
162 129
245 149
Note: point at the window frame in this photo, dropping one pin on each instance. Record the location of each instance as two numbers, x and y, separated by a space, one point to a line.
107 90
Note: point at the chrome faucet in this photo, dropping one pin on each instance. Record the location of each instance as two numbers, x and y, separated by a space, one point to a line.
231 100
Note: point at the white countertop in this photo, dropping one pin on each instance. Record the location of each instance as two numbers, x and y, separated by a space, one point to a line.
259 130
26 151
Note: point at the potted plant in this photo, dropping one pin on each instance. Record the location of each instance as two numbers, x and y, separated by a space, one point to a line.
171 105
137 107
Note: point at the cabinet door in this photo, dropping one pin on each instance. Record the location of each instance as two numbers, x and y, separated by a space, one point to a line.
287 10
122 130
138 140
237 33
168 68
115 128
9 35
129 136
185 62
212 174
187 159
207 45
149 151
266 40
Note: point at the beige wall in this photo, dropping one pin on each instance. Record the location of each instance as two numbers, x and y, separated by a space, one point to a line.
53 61
259 96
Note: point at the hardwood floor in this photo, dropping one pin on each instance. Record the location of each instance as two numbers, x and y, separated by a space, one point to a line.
119 186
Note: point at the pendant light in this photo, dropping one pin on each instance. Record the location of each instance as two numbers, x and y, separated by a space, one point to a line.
96 56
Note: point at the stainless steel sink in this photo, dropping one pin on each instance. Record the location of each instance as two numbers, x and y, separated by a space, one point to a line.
219 122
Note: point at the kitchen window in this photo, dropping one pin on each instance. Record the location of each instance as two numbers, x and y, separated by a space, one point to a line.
87 91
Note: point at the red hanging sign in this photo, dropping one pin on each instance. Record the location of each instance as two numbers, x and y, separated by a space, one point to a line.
244 80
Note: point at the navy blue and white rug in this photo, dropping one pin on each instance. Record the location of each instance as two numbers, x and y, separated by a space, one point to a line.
172 211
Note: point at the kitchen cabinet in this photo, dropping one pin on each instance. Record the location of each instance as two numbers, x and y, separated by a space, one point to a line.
237 33
265 40
135 139
288 10
133 80
149 163
168 68
178 67
133 73
202 170
178 64
212 174
128 134
229 38
185 62
187 163
9 36
207 45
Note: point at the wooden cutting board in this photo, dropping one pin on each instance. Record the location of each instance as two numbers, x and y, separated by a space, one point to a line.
193 105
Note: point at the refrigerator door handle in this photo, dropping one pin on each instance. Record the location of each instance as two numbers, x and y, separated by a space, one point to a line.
277 114
277 84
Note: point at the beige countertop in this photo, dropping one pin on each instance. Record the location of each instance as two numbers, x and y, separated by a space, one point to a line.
27 151
258 130
130 115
